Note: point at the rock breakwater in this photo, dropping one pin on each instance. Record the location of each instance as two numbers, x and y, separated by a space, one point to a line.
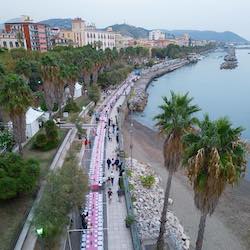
148 204
139 97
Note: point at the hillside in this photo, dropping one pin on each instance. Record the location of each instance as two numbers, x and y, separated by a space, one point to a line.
62 23
139 32
226 36
129 30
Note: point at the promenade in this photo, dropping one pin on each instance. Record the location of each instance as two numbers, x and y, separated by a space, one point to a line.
111 229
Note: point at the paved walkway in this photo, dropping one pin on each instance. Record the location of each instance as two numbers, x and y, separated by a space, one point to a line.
119 237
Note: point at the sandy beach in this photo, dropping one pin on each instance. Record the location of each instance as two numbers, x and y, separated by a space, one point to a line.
229 226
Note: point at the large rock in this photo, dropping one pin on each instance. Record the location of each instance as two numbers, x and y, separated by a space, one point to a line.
148 207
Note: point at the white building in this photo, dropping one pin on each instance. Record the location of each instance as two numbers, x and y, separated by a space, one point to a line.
156 35
11 41
82 34
102 39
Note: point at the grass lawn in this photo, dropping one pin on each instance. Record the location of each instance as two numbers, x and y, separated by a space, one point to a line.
14 212
81 101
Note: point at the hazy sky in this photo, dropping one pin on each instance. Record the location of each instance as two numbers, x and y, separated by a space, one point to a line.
218 15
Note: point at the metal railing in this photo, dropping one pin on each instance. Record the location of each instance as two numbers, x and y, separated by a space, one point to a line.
130 211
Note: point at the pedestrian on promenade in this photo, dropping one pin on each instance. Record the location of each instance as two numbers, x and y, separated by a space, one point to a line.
110 194
120 166
119 194
108 182
109 122
112 177
85 142
90 144
117 163
113 163
113 125
117 138
108 162
121 172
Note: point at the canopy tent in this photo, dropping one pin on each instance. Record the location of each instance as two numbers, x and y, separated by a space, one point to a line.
33 118
78 90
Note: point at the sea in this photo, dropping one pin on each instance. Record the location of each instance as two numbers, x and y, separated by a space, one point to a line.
218 92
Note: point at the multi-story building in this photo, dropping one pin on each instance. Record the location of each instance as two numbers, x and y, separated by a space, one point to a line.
156 35
82 34
37 36
122 41
12 40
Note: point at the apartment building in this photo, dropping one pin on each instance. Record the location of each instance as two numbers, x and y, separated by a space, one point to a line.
37 36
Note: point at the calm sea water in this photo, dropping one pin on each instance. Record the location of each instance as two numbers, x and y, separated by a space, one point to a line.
217 92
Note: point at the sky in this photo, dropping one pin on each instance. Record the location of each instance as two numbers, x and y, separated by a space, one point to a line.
217 15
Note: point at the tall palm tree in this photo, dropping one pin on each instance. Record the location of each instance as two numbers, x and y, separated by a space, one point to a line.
72 77
87 68
15 98
49 73
214 156
175 120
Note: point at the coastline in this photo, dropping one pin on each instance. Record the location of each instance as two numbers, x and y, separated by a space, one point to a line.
228 228
138 99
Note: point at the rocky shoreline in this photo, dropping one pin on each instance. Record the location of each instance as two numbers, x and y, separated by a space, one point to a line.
139 96
148 204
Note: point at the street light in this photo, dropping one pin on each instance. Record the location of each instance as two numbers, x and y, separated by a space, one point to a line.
39 232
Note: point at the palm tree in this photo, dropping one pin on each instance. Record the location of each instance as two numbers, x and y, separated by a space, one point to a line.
72 77
175 120
87 68
49 73
214 156
15 98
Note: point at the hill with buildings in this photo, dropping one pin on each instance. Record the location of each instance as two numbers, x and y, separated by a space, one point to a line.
139 32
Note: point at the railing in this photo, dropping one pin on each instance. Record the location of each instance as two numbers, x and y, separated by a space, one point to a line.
133 227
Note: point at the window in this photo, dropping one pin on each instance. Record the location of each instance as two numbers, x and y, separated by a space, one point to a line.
5 44
17 44
11 44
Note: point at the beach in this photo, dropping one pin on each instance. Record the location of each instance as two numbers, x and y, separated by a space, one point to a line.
228 228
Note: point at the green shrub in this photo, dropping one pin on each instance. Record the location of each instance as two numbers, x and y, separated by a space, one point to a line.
71 106
17 176
6 140
129 172
131 187
133 198
147 181
49 140
51 132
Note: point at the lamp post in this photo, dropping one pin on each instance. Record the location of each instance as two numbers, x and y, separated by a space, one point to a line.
39 232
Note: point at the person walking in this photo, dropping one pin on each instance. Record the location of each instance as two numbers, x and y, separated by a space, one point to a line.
90 144
113 125
109 163
109 184
116 163
120 166
117 138
109 122
119 194
112 177
110 194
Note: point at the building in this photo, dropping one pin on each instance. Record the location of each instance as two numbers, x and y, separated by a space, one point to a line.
37 36
183 41
156 35
82 34
122 41
12 40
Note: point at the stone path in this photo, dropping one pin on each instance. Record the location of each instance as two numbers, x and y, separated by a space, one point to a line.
119 236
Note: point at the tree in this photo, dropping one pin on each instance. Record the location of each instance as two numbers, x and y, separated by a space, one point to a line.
49 73
64 191
87 67
15 98
6 140
17 176
175 120
214 156
94 93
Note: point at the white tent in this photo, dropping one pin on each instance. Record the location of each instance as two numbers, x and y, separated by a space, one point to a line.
33 117
78 90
